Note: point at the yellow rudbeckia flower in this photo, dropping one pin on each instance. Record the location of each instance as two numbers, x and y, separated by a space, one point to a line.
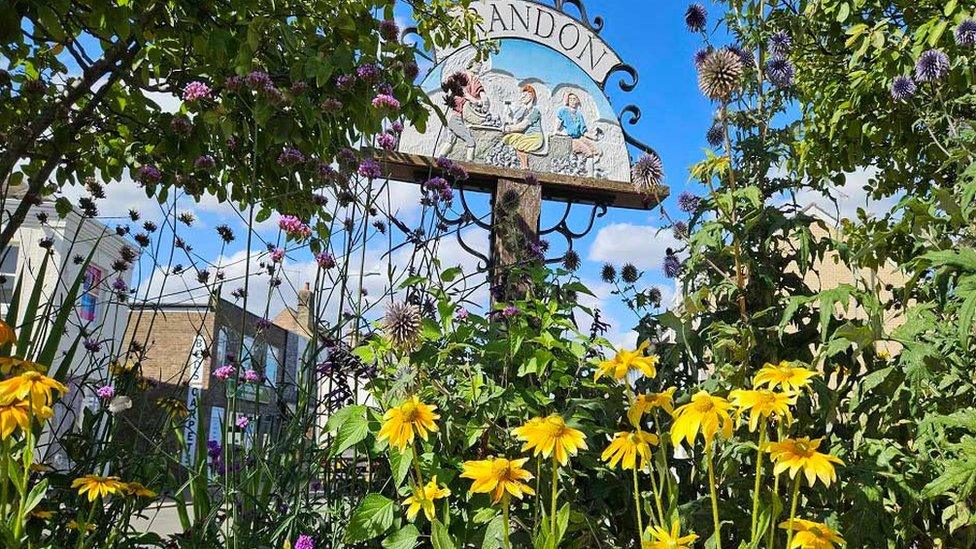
14 414
645 403
801 454
626 446
626 362
550 436
763 403
138 490
705 413
663 539
34 386
498 476
785 376
423 498
7 335
812 535
17 366
97 487
400 423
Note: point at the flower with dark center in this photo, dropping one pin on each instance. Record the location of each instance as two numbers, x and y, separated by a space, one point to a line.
680 230
719 74
389 30
225 233
629 273
134 215
142 239
149 227
966 33
780 72
205 162
701 55
648 172
689 203
401 324
780 44
608 273
672 265
696 18
932 66
186 218
715 135
903 88
571 261
148 174
181 125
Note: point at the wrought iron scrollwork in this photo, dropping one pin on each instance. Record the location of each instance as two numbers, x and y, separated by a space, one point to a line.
596 26
627 86
633 114
598 210
416 45
459 222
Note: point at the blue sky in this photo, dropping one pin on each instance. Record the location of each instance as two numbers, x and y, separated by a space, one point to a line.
648 35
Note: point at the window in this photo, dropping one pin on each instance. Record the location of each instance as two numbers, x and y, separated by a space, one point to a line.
271 362
89 297
8 274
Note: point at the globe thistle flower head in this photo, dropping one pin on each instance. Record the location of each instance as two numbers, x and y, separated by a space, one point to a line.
719 75
629 273
966 33
781 72
747 57
932 66
903 88
689 203
780 44
696 18
672 265
680 230
648 172
608 273
571 261
701 55
715 136
402 324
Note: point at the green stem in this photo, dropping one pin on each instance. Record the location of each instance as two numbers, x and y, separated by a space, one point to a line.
666 472
637 508
28 458
506 544
755 491
796 494
5 459
771 533
416 467
657 496
83 527
538 494
714 492
555 495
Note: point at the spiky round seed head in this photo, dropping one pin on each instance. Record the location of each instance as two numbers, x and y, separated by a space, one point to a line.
648 172
719 75
608 273
696 17
781 72
629 273
780 44
715 136
701 55
401 324
571 261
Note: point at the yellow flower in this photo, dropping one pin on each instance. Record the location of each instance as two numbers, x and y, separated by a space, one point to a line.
35 385
399 423
498 476
17 366
626 362
97 486
662 539
812 535
645 403
7 335
14 415
705 413
784 375
550 435
627 446
138 490
801 453
118 368
423 498
763 403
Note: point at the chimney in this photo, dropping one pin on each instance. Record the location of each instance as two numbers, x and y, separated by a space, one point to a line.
305 307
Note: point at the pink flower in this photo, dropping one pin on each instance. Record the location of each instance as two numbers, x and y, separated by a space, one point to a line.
196 90
461 314
325 260
386 101
224 372
277 255
251 376
294 227
304 542
242 422
370 168
386 141
105 392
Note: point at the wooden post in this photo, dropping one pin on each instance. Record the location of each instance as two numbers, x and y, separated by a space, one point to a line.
515 218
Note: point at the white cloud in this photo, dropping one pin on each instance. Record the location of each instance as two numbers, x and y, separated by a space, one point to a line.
642 245
842 202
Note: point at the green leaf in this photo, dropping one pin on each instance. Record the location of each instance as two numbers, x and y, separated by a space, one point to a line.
439 536
35 496
404 538
959 478
494 534
352 431
400 465
373 517
966 314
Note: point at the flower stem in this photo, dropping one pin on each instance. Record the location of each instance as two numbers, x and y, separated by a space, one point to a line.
637 508
771 533
5 460
416 467
714 493
506 544
755 491
555 495
657 495
796 494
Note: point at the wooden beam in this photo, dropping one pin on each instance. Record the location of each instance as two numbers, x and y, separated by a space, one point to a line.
586 190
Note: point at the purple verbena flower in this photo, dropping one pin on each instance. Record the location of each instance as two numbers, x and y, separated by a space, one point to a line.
397 127
386 101
510 311
277 255
224 372
345 81
242 422
370 169
105 392
195 91
258 80
234 83
205 162
304 542
181 125
325 260
294 227
251 376
120 286
92 345
368 72
461 314
387 141
290 156
148 174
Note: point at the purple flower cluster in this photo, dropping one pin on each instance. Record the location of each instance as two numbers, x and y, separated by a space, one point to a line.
387 141
397 127
689 203
239 293
330 105
105 392
368 72
453 169
461 314
181 125
411 70
510 311
92 345
195 91
386 101
147 174
290 156
234 83
325 260
440 189
120 286
370 169
224 372
252 376
304 542
345 81
932 66
242 422
258 80
294 227
205 162
389 30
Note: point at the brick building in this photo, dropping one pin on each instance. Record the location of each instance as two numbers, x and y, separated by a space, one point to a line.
183 344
